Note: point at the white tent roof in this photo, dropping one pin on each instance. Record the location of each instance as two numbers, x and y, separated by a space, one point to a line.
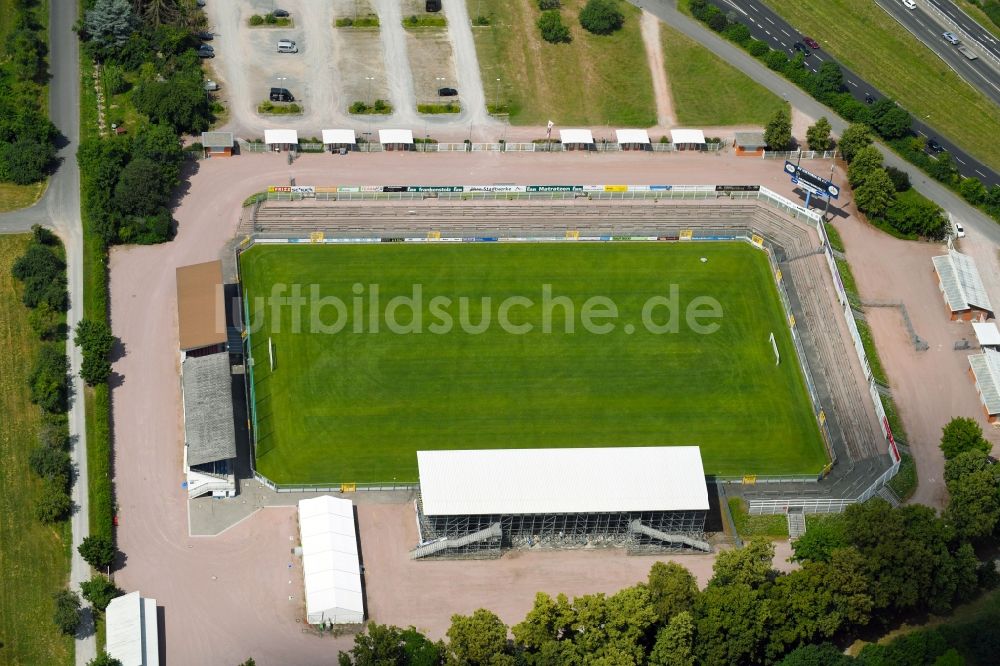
987 334
272 136
330 561
517 481
963 287
395 136
339 136
632 135
986 368
132 630
687 136
576 136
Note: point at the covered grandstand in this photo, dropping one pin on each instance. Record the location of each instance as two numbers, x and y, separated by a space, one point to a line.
209 430
475 503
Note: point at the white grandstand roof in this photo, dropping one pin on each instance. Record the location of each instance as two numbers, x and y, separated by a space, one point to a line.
589 480
339 136
273 136
576 136
963 287
632 136
132 630
330 562
395 136
987 334
687 136
986 368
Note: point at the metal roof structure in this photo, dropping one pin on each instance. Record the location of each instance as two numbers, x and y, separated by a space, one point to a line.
961 283
330 562
576 136
201 312
986 368
339 136
583 480
752 140
687 136
281 136
217 139
987 334
133 634
209 432
632 136
395 136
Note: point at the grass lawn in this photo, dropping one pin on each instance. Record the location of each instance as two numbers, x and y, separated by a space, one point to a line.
34 558
774 526
708 91
14 196
355 406
870 42
594 80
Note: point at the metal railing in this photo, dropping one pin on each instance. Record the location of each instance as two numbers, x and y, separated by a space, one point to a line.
799 154
498 147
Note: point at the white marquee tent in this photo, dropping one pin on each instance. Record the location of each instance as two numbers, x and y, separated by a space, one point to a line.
330 562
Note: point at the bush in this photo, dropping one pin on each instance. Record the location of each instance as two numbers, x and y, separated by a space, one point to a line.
602 17
270 19
973 191
54 504
94 339
553 29
98 550
48 379
50 463
99 591
481 21
546 5
776 60
718 22
943 169
256 19
67 613
757 48
900 179
47 322
104 659
739 33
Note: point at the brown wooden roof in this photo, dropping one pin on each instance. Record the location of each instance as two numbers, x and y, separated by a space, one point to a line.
201 314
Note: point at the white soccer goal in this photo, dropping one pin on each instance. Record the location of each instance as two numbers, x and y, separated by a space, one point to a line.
774 346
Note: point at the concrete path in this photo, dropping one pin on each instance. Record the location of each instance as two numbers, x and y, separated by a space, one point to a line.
59 209
470 83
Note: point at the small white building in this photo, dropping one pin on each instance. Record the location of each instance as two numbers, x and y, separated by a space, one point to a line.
396 139
632 139
281 139
576 139
687 139
133 631
335 139
330 564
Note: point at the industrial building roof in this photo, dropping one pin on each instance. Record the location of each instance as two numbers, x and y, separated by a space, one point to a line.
395 136
201 313
986 368
281 136
330 562
632 136
586 480
576 136
687 136
132 630
339 136
963 287
208 409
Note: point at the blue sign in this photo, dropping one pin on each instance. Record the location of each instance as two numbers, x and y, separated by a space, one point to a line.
811 181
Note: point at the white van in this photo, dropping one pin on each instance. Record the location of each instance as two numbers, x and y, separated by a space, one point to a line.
959 229
287 46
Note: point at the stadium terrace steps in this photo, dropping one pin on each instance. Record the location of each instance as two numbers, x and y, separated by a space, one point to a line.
796 523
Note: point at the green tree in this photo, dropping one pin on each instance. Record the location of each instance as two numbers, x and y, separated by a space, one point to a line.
943 168
479 639
973 190
778 132
900 179
140 189
962 434
93 337
818 134
98 550
824 654
48 379
109 23
548 620
820 540
386 644
47 322
99 591
854 138
974 494
67 611
50 463
730 624
829 80
552 28
918 216
104 659
601 17
672 590
865 162
890 120
875 194
674 644
750 565
613 627
179 102
54 504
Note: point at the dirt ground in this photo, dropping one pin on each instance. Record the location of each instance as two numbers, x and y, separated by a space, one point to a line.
431 63
933 386
359 56
665 115
226 598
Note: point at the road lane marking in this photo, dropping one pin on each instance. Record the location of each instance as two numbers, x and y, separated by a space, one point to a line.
853 84
787 34
769 20
959 160
981 173
817 56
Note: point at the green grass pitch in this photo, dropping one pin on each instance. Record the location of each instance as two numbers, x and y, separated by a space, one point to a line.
356 406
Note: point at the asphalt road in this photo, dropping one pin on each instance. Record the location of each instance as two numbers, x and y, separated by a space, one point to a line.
59 209
769 27
927 25
973 30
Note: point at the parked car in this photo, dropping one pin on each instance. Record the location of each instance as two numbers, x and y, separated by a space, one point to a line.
280 13
909 4
206 51
287 46
810 42
950 37
281 95
934 146
206 36
959 229
801 48
211 86
869 99
447 92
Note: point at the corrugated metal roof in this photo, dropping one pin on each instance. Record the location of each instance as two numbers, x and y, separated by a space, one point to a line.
217 139
576 136
201 310
395 136
987 334
960 280
132 630
632 136
986 368
687 136
589 480
330 564
750 139
272 136
339 136
208 409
